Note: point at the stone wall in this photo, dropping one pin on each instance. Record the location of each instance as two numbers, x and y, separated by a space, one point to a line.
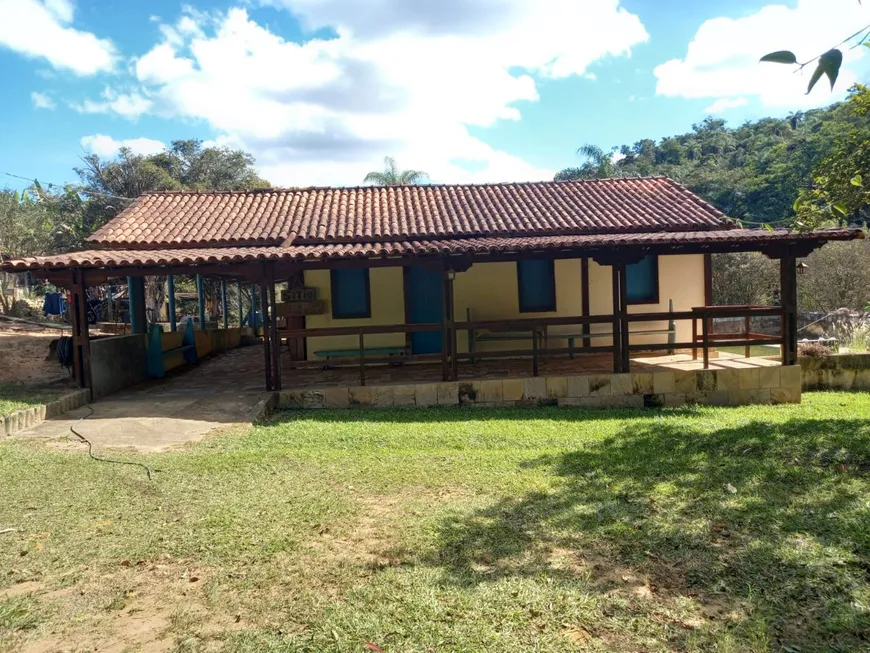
836 372
758 385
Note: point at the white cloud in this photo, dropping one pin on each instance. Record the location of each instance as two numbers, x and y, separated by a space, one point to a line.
106 146
128 105
41 29
725 103
409 84
722 59
42 100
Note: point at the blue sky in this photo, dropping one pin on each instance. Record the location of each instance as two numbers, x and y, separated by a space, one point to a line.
319 91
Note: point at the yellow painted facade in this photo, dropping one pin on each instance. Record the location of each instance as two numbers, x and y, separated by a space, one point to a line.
490 291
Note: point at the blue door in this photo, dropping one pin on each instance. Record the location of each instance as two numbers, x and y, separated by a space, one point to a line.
424 293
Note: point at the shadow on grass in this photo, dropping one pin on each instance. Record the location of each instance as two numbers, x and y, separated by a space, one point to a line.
768 519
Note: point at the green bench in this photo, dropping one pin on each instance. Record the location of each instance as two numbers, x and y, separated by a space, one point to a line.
354 353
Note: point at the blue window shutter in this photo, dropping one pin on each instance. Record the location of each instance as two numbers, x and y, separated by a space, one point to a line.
537 286
351 296
642 280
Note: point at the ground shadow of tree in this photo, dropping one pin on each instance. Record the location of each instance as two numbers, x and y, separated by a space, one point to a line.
773 519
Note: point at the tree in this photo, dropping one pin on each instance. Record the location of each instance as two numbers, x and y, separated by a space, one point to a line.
112 185
598 164
840 191
837 276
744 278
392 176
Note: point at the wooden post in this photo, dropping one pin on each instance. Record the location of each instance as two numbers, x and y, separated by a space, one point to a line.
694 338
617 322
705 339
241 307
362 357
788 297
534 350
623 318
200 301
445 329
276 338
254 308
224 304
747 349
80 332
584 299
170 287
451 326
267 343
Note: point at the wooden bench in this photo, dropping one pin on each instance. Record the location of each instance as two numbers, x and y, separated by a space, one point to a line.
156 354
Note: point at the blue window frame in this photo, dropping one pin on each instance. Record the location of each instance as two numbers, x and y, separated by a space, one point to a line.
351 293
642 280
537 286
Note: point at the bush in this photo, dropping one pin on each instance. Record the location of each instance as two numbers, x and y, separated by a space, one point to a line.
813 350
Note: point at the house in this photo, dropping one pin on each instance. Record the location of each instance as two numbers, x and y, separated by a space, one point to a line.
444 283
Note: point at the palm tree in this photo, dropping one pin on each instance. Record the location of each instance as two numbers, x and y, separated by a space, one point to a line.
392 176
598 163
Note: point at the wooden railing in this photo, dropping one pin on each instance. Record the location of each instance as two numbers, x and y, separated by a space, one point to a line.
540 335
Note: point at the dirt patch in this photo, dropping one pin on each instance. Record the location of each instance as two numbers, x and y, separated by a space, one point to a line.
134 607
23 352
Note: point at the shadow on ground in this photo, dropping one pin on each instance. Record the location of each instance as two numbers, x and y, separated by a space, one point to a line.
771 520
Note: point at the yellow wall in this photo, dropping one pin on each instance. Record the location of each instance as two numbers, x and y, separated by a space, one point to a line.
681 278
490 291
388 307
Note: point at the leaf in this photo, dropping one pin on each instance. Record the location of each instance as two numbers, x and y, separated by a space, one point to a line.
780 56
840 208
857 181
373 647
797 204
829 64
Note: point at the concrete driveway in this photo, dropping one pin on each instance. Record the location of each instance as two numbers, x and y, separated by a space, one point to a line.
223 391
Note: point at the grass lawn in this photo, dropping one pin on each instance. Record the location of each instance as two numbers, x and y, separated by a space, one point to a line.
17 396
696 529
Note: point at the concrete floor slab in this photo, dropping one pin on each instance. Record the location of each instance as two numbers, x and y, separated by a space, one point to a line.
167 413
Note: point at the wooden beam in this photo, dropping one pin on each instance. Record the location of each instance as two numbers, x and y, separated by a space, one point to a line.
80 331
200 301
623 317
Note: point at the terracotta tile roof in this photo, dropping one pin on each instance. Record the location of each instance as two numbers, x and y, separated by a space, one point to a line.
136 258
372 214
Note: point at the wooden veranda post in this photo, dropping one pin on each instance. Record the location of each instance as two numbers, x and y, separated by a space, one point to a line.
788 297
445 328
200 301
267 341
80 332
170 286
274 335
241 308
224 304
617 272
584 297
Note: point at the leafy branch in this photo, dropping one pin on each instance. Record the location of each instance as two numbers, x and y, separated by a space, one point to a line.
829 63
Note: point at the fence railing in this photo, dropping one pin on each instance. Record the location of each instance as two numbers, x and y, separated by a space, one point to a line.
538 331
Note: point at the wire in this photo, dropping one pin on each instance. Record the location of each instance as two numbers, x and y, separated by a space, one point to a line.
61 187
105 460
